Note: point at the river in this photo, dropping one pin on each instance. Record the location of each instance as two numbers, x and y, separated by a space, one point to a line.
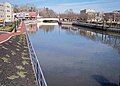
76 56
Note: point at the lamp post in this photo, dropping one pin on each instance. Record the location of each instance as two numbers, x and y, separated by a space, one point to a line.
15 25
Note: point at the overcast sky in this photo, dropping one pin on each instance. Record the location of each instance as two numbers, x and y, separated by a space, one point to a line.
76 5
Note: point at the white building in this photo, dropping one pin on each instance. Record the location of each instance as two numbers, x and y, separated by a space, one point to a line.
1 13
87 11
6 12
90 15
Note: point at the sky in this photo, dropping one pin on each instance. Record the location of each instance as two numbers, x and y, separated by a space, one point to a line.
77 5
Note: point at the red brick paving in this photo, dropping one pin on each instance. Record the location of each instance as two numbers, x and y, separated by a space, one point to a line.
6 36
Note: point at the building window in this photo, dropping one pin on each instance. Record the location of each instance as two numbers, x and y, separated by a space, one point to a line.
8 15
8 10
1 5
8 6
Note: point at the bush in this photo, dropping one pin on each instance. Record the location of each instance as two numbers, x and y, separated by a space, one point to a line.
9 27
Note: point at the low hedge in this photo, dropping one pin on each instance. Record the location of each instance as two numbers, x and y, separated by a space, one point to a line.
9 28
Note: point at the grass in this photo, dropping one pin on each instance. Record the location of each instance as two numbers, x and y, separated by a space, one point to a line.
5 59
7 55
2 84
15 63
25 62
20 67
10 27
13 77
22 74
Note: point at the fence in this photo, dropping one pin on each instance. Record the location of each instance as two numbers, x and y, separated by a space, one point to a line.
37 68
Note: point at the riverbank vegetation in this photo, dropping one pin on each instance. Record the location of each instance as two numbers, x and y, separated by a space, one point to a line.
10 27
15 64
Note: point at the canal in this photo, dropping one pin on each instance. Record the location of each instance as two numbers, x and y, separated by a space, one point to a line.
72 56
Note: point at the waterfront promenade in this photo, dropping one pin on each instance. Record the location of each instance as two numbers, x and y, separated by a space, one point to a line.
7 35
16 67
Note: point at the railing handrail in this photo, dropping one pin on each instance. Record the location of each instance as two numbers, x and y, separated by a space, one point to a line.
37 67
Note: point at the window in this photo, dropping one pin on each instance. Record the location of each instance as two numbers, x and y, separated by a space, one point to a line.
8 6
8 10
8 15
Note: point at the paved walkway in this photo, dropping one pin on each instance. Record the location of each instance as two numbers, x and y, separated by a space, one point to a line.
6 36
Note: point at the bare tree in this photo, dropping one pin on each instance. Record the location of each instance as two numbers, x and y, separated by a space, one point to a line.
25 8
47 13
69 15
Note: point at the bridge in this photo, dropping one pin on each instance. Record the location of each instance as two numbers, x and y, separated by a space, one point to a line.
47 19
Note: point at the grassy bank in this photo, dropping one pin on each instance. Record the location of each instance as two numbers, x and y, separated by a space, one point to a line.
15 64
9 27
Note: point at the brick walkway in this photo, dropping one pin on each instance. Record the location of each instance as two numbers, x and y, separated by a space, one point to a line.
6 36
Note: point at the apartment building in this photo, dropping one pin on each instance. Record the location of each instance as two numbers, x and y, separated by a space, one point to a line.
87 15
1 13
6 13
112 16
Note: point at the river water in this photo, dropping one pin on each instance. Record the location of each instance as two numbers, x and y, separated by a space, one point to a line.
76 56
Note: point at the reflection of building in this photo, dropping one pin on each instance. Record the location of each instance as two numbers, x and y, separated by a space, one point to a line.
6 12
47 28
32 28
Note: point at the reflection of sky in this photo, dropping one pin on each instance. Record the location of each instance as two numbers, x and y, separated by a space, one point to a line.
70 60
62 5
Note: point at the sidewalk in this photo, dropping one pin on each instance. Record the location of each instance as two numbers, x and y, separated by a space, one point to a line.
6 36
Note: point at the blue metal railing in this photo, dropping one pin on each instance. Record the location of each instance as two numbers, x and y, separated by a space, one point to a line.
36 65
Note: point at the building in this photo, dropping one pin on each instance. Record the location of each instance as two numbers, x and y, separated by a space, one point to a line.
33 15
6 12
99 17
20 15
112 16
1 13
25 15
87 15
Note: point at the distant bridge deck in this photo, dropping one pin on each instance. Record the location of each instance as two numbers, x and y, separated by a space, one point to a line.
43 19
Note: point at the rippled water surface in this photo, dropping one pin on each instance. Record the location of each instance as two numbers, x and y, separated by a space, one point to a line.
72 56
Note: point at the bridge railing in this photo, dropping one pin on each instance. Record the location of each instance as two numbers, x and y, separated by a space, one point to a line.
36 65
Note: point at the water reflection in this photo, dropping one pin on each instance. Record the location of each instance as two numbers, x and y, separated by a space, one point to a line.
46 28
103 81
72 56
32 28
99 36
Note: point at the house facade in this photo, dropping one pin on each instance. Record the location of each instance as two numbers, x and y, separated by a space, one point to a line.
1 13
6 13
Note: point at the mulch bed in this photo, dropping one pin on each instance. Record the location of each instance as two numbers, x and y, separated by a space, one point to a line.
15 64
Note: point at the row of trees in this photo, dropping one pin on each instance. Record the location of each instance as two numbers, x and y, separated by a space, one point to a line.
46 12
69 15
24 8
